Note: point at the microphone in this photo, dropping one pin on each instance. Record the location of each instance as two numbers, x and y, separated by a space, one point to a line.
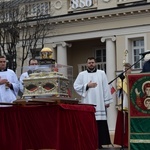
145 53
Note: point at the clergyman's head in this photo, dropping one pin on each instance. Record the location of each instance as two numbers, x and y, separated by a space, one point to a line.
2 62
33 61
91 63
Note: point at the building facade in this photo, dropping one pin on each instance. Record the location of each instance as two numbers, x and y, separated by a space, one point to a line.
113 31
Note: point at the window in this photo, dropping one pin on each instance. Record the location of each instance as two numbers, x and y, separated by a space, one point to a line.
9 15
100 55
130 2
41 8
137 48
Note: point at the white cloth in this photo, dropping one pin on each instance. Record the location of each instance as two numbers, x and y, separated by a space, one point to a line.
99 96
7 94
22 77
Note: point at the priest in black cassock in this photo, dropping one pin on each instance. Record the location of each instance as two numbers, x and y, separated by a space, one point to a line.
92 86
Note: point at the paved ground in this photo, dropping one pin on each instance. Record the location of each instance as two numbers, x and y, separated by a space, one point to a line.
113 148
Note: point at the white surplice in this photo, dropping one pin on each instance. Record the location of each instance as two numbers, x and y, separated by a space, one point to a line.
99 96
7 94
22 77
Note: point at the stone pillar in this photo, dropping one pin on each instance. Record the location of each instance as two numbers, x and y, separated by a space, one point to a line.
61 52
110 71
62 56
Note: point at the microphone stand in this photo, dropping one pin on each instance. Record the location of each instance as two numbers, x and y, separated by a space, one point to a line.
121 76
126 69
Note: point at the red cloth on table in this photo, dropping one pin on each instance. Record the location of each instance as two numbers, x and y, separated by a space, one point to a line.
60 127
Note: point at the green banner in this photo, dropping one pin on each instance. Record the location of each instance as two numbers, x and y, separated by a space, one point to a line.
139 111
140 125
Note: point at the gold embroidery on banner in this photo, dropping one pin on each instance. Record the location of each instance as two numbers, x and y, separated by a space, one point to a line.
139 141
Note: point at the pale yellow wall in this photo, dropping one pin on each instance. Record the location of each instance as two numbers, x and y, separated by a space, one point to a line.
120 48
123 43
100 24
59 7
148 41
105 5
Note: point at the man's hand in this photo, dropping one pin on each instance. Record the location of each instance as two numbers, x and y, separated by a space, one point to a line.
8 84
107 105
3 81
92 84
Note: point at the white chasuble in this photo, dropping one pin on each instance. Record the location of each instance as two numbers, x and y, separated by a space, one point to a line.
7 94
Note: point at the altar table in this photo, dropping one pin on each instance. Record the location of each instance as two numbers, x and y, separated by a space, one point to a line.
60 127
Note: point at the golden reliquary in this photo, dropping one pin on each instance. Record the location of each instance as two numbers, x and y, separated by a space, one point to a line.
46 84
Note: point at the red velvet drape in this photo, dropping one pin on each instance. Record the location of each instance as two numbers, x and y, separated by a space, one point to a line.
60 127
121 132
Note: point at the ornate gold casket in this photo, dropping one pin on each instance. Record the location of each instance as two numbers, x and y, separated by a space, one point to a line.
46 84
48 80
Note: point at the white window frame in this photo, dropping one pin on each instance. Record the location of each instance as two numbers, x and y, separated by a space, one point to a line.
128 46
140 49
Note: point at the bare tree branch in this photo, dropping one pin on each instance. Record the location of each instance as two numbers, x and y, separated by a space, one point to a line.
18 26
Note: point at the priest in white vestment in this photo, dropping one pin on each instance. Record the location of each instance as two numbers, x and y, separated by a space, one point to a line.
121 131
92 86
9 84
32 62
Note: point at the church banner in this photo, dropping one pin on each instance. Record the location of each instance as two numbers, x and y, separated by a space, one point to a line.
139 112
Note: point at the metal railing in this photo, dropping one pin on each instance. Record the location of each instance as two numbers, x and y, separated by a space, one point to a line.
100 65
